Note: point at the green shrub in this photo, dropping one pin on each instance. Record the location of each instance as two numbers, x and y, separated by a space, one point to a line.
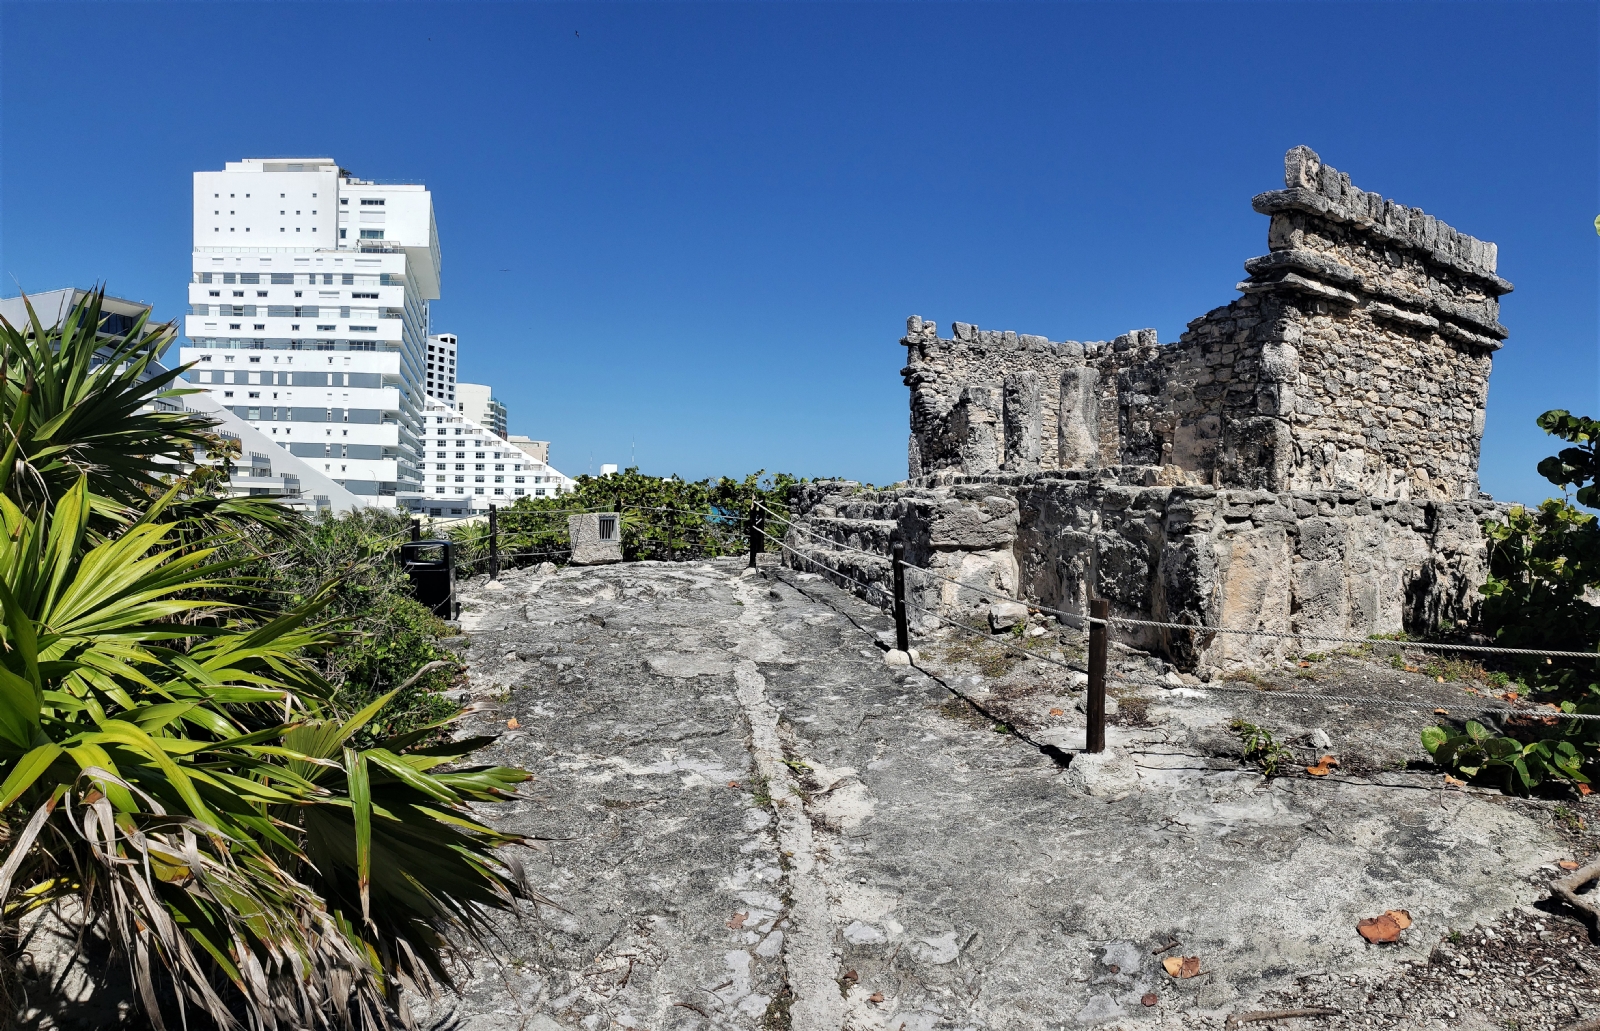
1544 567
663 517
173 759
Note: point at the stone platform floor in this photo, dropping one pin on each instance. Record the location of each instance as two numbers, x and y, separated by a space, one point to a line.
752 822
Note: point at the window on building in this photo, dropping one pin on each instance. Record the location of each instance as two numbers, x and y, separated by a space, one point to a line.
372 202
372 234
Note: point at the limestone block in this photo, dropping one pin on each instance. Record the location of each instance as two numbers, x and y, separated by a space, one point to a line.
596 538
975 423
1024 415
989 523
1078 419
1003 615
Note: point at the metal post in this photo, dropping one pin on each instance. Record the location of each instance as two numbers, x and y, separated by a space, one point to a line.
902 634
494 544
416 530
1100 611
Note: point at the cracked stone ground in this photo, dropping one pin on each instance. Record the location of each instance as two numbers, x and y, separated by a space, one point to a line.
753 822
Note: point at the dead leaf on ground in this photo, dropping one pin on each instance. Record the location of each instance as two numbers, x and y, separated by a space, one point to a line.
1441 712
1149 998
738 920
1452 782
1181 966
512 723
733 783
851 975
875 997
1510 696
1439 679
1567 864
1323 767
1384 928
1584 789
1305 665
1058 712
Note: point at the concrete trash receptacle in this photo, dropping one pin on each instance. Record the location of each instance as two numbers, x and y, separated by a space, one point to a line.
596 538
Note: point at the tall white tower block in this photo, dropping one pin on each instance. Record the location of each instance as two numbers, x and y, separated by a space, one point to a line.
308 315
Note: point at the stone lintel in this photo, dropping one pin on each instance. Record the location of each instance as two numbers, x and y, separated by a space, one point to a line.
1321 190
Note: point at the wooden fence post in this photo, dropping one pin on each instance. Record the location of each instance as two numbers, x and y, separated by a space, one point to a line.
753 524
902 633
1099 611
494 544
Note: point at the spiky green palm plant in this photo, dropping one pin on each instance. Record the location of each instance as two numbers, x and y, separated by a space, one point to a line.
151 772
172 762
77 403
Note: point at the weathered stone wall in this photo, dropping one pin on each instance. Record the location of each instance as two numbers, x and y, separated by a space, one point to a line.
1332 562
1303 459
1357 358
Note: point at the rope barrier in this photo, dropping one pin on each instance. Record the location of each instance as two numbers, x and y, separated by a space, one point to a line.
1392 703
1439 646
1080 619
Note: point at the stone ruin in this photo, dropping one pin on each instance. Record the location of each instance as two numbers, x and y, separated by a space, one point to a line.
1303 459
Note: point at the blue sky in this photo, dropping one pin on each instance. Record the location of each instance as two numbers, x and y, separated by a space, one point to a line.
692 233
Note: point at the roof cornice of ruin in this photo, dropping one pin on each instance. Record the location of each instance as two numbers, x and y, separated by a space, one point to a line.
1325 192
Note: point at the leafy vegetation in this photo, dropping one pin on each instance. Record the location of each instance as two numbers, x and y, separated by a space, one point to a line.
662 518
1544 575
180 751
1260 748
385 637
1520 765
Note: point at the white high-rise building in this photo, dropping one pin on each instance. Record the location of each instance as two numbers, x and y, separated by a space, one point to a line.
441 382
469 467
477 402
308 314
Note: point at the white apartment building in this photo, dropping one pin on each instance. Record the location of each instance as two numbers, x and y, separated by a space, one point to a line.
441 381
308 315
467 467
478 403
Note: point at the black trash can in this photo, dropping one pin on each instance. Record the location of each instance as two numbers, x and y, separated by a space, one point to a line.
431 565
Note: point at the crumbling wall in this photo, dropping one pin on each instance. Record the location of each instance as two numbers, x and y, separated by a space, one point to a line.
1358 357
1302 459
1328 562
